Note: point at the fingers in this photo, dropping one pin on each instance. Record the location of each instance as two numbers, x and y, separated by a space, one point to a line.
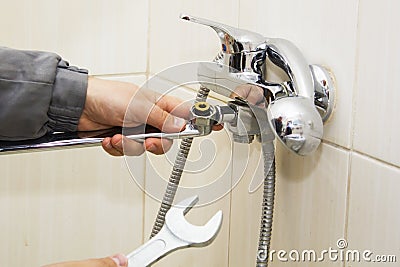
218 127
113 146
175 106
252 93
164 121
118 260
119 146
157 146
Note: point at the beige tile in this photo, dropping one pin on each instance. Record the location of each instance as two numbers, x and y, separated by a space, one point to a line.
102 36
325 31
173 41
245 205
373 209
377 122
309 206
66 205
139 80
310 202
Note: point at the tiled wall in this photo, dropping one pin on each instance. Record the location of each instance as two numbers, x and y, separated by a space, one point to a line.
82 203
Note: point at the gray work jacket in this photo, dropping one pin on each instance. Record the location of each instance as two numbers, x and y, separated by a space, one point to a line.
39 93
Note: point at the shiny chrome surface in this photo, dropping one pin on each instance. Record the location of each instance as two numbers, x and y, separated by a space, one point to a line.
288 57
233 40
324 91
83 139
297 124
294 102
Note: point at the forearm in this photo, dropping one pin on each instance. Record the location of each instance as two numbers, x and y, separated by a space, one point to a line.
39 93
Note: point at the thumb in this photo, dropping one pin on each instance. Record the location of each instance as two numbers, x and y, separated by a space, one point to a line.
165 121
118 260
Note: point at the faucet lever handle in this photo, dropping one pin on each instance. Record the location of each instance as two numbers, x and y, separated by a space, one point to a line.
233 40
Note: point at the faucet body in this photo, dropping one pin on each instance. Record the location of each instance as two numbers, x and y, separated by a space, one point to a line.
294 110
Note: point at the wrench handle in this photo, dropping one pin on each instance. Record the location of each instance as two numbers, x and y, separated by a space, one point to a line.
160 245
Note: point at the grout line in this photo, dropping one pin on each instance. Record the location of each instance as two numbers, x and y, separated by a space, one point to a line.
232 171
148 39
230 204
355 151
355 78
144 200
119 74
347 204
330 143
239 14
145 160
376 159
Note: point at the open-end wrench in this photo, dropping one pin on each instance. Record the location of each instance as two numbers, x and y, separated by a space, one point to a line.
93 138
176 233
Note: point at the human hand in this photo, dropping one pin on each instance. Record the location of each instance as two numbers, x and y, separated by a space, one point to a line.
112 103
118 260
252 93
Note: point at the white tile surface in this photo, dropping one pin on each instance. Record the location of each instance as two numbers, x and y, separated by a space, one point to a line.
135 79
310 204
245 206
377 122
103 36
374 216
174 41
67 205
325 31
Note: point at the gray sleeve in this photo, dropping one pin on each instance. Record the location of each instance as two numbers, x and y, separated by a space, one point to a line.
39 93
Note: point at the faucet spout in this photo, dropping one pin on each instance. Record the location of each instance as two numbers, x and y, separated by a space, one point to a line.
233 40
288 57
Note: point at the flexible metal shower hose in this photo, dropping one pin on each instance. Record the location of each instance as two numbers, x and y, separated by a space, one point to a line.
176 174
267 206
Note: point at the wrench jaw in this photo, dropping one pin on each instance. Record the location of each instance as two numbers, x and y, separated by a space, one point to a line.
184 206
176 233
195 236
212 228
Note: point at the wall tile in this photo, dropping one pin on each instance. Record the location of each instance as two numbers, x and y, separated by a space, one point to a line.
373 209
376 120
102 36
310 202
309 206
245 205
135 79
325 31
67 205
173 41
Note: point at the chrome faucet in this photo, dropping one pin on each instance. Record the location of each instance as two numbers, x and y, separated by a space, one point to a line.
295 109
